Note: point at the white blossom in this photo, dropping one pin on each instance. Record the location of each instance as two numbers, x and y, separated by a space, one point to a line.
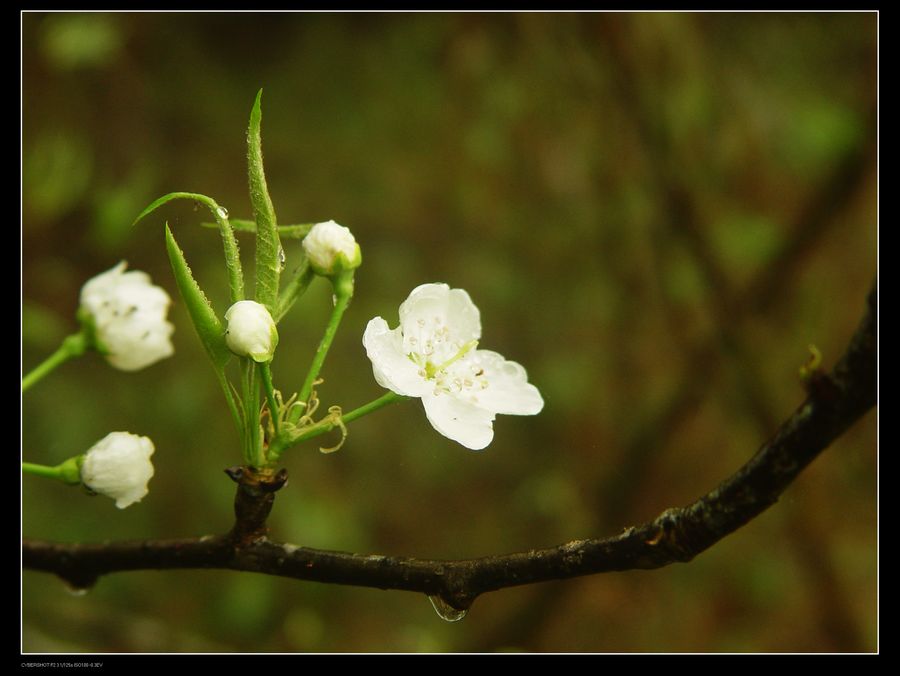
119 467
432 355
251 331
128 314
331 248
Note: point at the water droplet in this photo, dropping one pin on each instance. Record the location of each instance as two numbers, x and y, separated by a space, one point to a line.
77 590
282 259
223 212
445 611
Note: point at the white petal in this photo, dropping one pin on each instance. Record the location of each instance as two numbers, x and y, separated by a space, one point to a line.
391 367
459 420
137 343
328 241
508 390
251 331
119 466
453 307
129 317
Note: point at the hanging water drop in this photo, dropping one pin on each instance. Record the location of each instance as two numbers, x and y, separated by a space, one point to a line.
77 590
445 611
282 259
222 211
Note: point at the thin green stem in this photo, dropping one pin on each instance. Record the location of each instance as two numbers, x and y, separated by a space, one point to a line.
229 398
293 231
68 472
324 426
266 374
252 447
72 346
294 288
366 409
343 293
41 470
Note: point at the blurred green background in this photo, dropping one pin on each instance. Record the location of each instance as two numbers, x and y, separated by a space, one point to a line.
656 214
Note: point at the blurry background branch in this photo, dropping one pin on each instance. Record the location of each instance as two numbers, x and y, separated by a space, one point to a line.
835 402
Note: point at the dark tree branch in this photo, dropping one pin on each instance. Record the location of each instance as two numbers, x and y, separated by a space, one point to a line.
835 402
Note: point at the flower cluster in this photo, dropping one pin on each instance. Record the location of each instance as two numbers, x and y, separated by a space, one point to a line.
432 355
127 314
119 467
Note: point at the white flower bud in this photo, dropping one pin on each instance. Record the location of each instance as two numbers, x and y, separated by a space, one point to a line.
128 315
119 467
251 331
331 249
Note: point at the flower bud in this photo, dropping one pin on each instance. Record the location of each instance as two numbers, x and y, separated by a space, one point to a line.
119 467
331 249
127 316
251 331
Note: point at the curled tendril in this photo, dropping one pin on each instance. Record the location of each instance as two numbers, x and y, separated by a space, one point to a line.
334 416
310 406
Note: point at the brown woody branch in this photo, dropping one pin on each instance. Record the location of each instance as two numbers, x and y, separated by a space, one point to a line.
835 401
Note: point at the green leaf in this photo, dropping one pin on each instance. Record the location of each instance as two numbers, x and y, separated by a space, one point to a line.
268 265
296 231
207 324
232 255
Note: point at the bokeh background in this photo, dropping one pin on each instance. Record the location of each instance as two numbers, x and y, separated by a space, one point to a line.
656 214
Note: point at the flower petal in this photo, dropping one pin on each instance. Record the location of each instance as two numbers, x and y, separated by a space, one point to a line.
251 331
452 307
390 365
128 315
465 423
508 390
119 466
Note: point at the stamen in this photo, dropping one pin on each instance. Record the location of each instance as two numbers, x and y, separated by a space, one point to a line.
334 413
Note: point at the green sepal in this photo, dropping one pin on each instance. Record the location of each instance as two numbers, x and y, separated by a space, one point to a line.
70 470
268 265
229 242
206 323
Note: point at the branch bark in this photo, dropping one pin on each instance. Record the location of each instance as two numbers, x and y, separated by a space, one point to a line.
834 402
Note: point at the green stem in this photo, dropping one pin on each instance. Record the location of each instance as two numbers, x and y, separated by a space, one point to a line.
343 287
266 373
229 398
72 346
294 289
68 472
281 444
251 414
366 409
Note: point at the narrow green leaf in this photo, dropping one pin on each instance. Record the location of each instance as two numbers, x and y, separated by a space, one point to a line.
207 324
229 242
295 231
268 266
